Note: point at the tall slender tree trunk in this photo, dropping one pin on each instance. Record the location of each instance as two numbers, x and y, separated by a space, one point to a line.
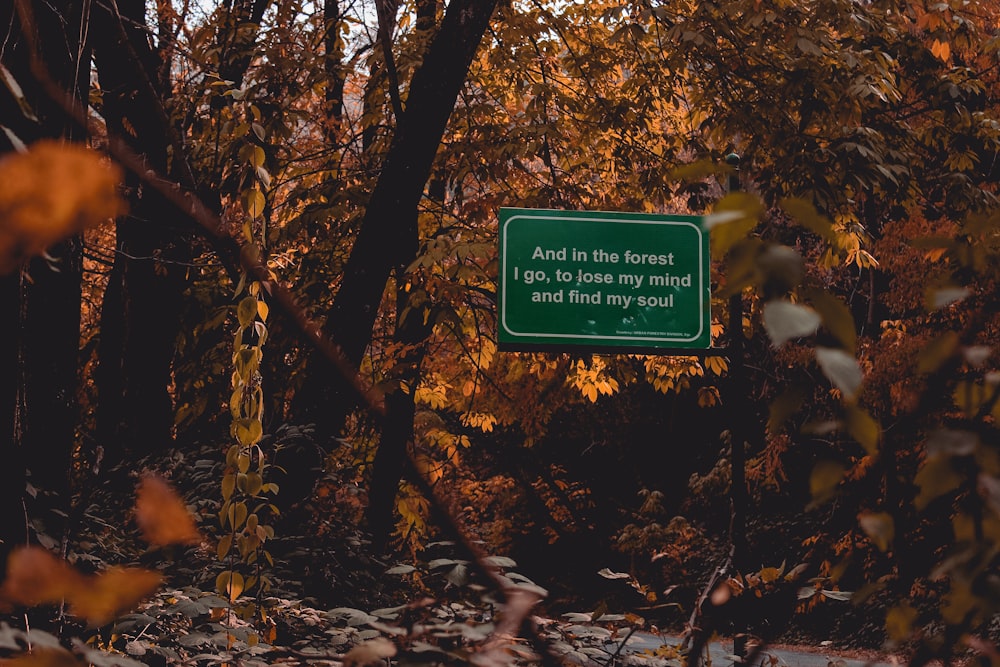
388 230
388 241
141 312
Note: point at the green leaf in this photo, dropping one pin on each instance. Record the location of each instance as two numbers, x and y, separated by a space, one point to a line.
237 515
935 353
697 170
785 320
841 369
900 621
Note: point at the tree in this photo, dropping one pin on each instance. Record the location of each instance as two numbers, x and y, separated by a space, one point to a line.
42 298
387 239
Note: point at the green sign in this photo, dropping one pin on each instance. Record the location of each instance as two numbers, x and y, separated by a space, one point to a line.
602 280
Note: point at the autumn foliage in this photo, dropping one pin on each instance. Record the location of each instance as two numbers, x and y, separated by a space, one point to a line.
252 246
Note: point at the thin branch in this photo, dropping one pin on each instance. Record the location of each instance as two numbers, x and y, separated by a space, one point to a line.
390 63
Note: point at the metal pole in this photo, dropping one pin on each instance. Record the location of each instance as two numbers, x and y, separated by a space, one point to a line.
739 391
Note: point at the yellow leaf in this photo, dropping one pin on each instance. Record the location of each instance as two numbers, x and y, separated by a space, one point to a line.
246 311
162 516
935 478
254 202
899 622
823 481
734 218
707 397
225 544
931 356
770 574
717 365
229 584
863 428
257 157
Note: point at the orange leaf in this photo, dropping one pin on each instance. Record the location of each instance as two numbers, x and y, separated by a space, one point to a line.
162 515
50 192
35 576
114 591
941 50
45 657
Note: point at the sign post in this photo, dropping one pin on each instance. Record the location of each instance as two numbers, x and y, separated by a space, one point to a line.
603 281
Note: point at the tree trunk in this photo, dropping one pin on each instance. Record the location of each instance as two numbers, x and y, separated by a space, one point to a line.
12 471
388 230
141 313
397 426
41 302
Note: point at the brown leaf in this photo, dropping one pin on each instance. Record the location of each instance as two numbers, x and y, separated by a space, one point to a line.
162 515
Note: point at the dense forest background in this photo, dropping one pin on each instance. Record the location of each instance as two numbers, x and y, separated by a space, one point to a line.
253 410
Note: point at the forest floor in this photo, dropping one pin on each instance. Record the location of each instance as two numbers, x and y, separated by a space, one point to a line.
329 594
